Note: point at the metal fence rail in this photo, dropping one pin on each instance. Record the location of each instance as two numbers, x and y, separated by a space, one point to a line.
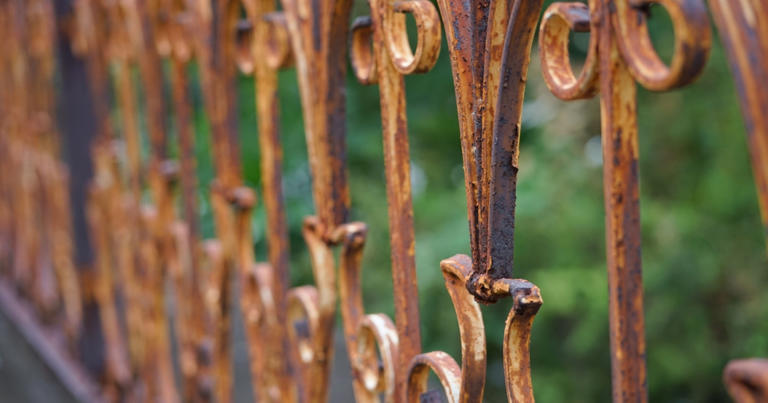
93 234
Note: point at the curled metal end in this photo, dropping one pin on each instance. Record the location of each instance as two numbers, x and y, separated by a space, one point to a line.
181 36
560 19
526 295
263 37
517 338
693 40
747 380
444 367
351 234
257 295
406 60
463 384
274 44
303 318
375 358
361 52
244 49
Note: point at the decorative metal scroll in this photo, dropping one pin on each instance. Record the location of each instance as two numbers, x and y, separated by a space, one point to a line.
144 219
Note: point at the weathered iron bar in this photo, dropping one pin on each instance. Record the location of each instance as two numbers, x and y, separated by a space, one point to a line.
272 378
174 26
747 44
391 59
746 41
621 53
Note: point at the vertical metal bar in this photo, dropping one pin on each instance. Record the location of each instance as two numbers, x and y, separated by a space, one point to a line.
622 223
621 54
394 125
272 44
216 58
318 32
318 37
154 241
187 159
388 27
190 311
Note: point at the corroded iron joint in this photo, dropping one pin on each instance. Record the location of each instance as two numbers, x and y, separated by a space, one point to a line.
480 286
487 290
242 198
352 234
313 225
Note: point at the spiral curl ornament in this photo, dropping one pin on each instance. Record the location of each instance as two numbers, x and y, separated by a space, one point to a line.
627 21
375 360
463 384
517 339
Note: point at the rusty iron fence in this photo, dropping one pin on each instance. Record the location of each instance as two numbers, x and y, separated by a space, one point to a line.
92 245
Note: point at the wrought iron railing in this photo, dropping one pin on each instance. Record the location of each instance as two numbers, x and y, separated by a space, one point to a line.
143 220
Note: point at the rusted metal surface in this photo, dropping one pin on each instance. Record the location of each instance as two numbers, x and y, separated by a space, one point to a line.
174 23
389 56
747 380
318 36
138 246
144 218
620 54
265 285
489 46
746 41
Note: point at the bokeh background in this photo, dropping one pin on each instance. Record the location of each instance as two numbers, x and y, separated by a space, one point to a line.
704 255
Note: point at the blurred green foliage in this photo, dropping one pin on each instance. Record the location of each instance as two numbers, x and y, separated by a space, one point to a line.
703 250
